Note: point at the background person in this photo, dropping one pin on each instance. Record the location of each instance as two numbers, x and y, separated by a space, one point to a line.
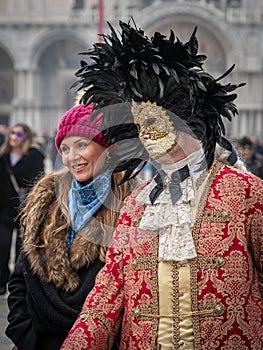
257 145
251 157
21 163
67 224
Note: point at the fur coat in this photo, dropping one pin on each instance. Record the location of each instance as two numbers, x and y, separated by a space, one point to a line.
49 284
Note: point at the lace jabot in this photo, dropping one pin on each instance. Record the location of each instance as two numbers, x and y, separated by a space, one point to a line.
173 222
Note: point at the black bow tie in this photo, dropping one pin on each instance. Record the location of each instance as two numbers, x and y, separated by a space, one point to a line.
172 182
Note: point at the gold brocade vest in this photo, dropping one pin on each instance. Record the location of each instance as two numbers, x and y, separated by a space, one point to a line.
175 284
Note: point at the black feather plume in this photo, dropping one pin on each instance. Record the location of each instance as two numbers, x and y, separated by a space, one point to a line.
131 66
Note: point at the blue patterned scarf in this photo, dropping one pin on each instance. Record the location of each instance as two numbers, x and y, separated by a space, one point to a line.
85 200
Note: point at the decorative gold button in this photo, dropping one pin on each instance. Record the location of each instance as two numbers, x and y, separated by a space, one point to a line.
219 309
83 317
136 221
135 263
137 312
226 216
220 261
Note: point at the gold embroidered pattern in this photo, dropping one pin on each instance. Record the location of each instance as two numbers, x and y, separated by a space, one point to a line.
213 215
142 298
210 262
225 243
194 262
175 299
155 289
218 309
97 315
136 221
77 340
224 280
143 262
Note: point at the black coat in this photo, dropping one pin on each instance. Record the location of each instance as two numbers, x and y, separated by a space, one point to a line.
26 170
52 312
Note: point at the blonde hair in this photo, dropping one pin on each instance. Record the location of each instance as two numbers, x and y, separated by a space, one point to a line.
26 144
46 212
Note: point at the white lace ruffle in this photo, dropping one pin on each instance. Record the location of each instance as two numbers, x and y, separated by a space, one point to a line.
173 222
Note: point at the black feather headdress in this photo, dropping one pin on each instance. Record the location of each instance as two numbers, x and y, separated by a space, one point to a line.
130 67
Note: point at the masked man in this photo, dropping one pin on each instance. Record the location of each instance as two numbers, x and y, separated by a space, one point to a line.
186 268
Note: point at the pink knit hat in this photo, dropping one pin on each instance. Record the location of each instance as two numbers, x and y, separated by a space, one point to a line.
77 122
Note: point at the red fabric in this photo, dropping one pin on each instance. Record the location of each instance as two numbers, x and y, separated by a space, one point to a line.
237 284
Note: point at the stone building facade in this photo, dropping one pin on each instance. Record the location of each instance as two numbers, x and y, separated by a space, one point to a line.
40 42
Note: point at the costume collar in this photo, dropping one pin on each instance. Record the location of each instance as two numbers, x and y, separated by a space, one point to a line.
171 175
173 220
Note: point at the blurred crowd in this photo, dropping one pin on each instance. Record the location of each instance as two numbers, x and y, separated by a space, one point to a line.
21 164
44 142
250 150
24 157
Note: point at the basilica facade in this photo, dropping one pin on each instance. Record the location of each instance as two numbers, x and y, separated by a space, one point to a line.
42 43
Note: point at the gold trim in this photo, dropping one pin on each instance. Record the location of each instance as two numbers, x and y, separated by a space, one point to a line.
175 299
143 262
213 215
194 262
155 290
210 262
216 310
95 314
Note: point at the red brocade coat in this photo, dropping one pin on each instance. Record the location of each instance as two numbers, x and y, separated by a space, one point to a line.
226 277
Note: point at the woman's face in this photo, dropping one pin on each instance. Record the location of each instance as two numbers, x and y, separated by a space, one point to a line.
17 136
84 158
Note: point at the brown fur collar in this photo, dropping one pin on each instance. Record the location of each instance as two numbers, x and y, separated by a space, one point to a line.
47 256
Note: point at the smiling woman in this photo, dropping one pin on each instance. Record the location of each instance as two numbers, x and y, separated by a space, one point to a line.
68 223
83 157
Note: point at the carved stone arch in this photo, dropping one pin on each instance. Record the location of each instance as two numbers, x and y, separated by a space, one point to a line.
55 58
215 38
46 39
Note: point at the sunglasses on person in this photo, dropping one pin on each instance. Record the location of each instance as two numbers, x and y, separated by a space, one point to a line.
18 135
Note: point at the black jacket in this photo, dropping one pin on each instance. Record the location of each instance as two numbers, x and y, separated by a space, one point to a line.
40 316
26 170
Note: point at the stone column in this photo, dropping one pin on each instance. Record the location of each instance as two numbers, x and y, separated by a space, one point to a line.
24 99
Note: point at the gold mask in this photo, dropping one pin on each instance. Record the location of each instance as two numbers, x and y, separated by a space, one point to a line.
156 130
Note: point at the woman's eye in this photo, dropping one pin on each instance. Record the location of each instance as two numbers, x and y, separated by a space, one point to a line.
82 145
64 149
